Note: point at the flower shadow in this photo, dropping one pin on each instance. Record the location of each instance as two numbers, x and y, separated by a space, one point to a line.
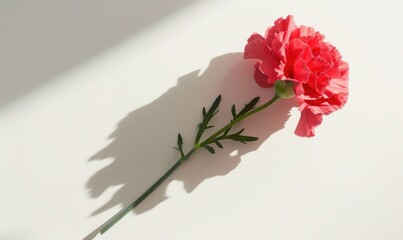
141 146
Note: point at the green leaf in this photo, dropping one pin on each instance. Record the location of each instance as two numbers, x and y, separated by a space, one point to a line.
244 139
239 132
237 137
233 111
249 106
212 115
209 148
218 144
251 139
214 106
180 140
180 144
207 116
226 132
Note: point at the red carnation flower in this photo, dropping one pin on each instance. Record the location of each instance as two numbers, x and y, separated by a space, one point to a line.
300 55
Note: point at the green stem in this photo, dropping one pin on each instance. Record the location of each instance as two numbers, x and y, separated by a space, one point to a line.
126 210
237 120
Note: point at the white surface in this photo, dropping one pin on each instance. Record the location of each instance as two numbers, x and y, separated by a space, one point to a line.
91 105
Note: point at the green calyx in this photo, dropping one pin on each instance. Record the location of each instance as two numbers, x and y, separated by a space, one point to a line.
284 88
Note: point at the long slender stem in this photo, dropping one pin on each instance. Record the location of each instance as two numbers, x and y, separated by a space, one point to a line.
126 210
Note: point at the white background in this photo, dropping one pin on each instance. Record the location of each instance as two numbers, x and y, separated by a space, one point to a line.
93 94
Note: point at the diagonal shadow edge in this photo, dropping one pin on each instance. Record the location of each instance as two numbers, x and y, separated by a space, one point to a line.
40 41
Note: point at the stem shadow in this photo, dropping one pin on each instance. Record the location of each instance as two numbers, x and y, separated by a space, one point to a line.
142 142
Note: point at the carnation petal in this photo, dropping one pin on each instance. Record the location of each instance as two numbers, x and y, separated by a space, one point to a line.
307 123
327 105
281 25
298 54
306 31
300 71
318 64
343 68
336 85
268 68
303 32
279 35
326 108
256 48
296 48
261 79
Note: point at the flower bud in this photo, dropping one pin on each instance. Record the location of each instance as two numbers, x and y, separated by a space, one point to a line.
284 88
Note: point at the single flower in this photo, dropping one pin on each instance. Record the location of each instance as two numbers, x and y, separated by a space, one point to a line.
300 55
297 62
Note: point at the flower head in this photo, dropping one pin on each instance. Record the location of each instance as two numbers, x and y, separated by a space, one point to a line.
300 55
